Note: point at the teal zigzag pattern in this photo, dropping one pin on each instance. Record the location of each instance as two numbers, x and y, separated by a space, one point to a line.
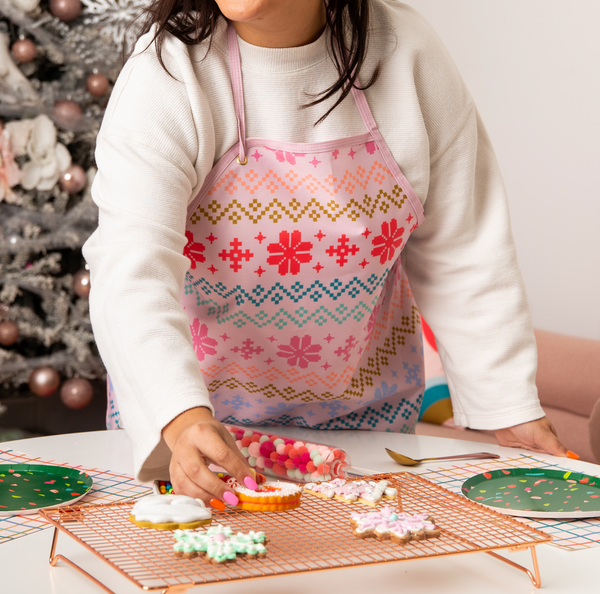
276 293
301 317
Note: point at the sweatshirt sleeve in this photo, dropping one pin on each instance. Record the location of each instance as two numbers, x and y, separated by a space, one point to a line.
463 270
152 153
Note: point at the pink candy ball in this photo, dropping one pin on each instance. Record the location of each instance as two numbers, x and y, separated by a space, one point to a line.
302 468
305 458
281 460
281 449
328 456
260 462
297 461
268 463
266 448
254 449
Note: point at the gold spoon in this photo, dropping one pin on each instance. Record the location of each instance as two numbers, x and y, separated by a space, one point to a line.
406 461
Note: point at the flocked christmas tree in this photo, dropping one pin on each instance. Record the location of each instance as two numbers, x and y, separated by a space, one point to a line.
58 59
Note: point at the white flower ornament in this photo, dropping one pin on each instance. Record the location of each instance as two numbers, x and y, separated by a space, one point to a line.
48 158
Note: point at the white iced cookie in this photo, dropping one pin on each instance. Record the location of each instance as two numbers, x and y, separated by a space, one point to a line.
170 512
367 492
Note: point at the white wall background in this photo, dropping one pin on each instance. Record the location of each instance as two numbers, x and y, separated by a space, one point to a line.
533 68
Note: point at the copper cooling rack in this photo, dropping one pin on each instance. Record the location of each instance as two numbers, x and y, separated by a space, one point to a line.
315 536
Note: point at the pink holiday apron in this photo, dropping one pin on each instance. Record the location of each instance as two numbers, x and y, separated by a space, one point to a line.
299 308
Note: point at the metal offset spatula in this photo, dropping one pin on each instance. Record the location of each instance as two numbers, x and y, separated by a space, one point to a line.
406 461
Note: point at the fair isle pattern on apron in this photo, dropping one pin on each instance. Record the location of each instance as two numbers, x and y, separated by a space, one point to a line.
300 310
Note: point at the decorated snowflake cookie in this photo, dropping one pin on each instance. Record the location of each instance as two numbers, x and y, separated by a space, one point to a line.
170 512
367 492
388 524
219 544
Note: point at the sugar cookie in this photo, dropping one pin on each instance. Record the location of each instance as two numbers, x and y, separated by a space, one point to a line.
388 524
367 492
170 512
219 544
272 496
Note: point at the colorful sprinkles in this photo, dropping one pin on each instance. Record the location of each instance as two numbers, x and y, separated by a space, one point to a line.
535 490
28 487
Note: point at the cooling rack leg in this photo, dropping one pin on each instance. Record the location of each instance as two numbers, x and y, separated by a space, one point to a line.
536 580
55 558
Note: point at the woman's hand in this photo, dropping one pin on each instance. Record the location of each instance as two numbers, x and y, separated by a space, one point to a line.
537 436
197 439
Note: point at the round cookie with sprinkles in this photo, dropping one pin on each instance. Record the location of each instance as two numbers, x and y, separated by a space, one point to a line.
170 512
270 496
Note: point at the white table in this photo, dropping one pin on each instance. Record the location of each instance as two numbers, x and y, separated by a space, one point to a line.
25 568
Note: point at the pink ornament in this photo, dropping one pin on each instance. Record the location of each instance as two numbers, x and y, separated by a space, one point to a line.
67 113
44 381
24 51
73 180
65 10
97 84
9 333
76 393
81 283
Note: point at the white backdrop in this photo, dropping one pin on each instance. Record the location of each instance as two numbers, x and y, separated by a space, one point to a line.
533 68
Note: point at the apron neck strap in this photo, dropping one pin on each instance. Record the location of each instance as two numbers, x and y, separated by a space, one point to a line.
365 111
238 90
235 67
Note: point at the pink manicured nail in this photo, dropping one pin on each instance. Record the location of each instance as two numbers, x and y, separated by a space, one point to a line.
250 483
230 498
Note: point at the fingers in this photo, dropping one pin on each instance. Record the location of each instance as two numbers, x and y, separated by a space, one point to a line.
550 443
225 454
197 447
538 436
191 476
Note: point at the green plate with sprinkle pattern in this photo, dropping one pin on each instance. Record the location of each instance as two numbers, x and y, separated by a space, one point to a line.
536 492
28 488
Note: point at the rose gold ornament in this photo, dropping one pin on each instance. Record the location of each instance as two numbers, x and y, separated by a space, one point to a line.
44 381
24 51
81 283
9 333
96 84
76 393
73 180
67 113
65 10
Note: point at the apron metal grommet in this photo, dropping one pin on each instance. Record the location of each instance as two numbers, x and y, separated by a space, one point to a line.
244 162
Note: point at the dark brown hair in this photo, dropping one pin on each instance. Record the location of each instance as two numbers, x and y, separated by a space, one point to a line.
193 21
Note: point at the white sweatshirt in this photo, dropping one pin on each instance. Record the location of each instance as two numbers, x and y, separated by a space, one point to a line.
161 136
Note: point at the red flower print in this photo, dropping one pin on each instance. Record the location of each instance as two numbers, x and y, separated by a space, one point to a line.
341 250
193 250
388 242
235 254
203 345
289 253
346 350
300 352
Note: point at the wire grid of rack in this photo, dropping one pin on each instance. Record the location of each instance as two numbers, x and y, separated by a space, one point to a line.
315 536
